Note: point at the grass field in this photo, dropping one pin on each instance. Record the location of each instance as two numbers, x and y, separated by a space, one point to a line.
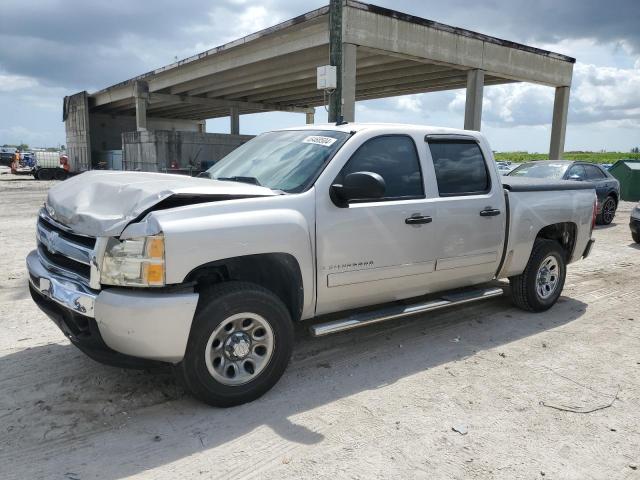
595 157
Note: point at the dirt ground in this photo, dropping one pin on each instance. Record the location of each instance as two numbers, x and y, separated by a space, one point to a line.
380 402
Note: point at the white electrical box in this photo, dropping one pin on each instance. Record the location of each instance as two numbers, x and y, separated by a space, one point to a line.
326 77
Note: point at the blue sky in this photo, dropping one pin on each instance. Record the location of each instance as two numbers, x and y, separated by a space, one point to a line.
52 48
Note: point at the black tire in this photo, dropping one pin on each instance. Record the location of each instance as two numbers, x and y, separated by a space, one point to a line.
45 174
60 174
524 291
607 212
217 304
636 237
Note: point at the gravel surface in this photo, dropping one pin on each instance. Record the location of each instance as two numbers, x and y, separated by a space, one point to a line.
464 393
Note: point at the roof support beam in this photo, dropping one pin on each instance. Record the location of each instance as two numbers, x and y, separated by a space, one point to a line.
219 102
234 119
559 123
141 94
421 38
348 100
473 105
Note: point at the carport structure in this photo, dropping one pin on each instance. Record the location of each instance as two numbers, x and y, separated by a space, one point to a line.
381 53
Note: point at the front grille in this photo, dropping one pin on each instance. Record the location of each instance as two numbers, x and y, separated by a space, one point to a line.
60 248
65 263
88 242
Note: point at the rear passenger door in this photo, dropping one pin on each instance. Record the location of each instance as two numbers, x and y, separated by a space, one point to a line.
470 212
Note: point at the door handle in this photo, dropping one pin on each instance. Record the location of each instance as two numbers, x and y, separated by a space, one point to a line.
417 219
489 212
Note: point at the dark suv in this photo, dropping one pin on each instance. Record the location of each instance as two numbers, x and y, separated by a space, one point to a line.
607 186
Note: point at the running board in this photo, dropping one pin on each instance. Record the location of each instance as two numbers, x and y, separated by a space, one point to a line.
391 313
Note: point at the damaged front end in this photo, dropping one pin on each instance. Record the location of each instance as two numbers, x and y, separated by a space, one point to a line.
103 203
98 243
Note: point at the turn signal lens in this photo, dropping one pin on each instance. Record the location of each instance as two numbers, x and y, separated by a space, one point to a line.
154 273
155 247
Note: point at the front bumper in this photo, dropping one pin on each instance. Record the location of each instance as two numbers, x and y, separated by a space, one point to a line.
116 322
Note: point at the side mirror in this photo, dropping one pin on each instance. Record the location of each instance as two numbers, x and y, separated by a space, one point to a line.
575 177
358 186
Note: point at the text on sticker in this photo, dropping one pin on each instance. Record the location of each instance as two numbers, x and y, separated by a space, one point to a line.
320 140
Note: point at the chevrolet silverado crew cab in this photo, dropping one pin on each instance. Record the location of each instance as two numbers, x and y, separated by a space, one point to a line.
344 225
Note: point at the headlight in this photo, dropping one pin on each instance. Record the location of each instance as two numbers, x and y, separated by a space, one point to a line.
137 262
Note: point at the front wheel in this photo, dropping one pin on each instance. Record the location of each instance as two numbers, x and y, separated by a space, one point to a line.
240 344
542 281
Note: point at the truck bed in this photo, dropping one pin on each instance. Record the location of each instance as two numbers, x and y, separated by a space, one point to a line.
523 184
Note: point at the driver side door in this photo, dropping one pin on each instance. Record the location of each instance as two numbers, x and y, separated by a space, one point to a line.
373 250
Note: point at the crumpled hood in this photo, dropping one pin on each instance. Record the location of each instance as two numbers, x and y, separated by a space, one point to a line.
103 203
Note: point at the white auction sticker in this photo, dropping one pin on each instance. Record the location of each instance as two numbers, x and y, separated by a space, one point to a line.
320 140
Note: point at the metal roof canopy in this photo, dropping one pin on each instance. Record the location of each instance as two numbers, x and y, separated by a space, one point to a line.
275 69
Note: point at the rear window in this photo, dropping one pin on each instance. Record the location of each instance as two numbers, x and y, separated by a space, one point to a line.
594 173
460 167
540 170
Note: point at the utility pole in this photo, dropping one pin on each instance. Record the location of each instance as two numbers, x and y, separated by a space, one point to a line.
335 57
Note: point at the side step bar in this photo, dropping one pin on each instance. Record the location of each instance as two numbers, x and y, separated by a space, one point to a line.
390 313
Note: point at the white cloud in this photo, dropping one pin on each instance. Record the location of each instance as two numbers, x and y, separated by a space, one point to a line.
606 94
598 95
413 103
11 83
19 134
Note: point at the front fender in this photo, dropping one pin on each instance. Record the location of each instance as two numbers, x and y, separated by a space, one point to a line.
195 241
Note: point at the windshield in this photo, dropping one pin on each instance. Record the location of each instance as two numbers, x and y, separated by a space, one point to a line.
540 170
287 160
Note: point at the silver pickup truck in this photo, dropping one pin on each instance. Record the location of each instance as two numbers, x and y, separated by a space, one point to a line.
345 225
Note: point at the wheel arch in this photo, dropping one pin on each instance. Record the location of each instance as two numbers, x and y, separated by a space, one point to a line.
565 233
278 272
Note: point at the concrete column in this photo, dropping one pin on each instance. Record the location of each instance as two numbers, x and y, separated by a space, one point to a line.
349 52
335 57
559 123
310 117
473 105
141 96
234 117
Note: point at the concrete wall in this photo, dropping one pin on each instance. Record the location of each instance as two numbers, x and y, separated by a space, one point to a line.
156 151
107 130
76 116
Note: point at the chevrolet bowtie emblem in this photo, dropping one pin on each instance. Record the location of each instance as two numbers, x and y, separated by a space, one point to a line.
51 239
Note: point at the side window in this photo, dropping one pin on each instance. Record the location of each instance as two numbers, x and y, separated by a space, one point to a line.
460 167
577 170
395 159
594 173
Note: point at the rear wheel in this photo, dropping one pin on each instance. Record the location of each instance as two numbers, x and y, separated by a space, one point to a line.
605 217
60 174
44 174
636 237
240 344
542 281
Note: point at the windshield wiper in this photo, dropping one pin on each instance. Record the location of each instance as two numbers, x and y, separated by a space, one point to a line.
251 180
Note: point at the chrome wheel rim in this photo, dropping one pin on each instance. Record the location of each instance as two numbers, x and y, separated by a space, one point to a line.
547 277
608 211
239 348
